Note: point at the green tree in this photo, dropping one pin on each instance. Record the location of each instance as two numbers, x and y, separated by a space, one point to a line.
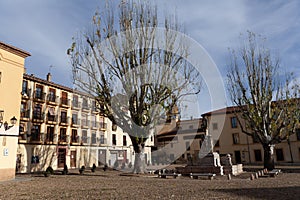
136 70
267 102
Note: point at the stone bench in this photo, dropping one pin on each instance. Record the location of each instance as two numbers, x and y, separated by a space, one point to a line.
165 175
209 176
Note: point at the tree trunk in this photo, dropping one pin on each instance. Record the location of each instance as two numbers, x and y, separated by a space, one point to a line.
139 161
269 157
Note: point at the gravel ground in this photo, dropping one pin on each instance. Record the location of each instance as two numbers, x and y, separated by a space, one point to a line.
117 185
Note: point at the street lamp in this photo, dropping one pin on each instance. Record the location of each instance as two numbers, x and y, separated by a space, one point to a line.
13 121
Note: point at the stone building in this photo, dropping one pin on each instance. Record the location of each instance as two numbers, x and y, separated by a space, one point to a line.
61 126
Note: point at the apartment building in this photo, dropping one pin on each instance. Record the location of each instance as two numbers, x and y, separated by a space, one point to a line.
186 136
242 147
11 75
178 140
61 126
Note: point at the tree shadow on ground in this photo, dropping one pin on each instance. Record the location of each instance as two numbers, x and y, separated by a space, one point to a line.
292 192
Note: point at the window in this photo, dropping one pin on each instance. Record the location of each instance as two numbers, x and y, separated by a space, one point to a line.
75 118
84 121
233 122
191 127
298 133
102 139
63 135
51 95
37 112
75 101
114 139
236 139
279 155
50 134
94 139
24 111
39 92
51 114
35 133
25 88
63 117
64 98
94 106
171 145
257 155
84 136
255 138
74 137
215 126
124 140
85 104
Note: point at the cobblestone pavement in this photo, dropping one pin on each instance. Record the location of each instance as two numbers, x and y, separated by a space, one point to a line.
117 185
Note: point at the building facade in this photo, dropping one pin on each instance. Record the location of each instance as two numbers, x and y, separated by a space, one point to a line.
11 75
242 147
61 126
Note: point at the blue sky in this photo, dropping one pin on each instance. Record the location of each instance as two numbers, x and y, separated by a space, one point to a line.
45 29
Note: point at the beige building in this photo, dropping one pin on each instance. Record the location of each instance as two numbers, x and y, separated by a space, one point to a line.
11 75
60 126
178 141
241 146
227 137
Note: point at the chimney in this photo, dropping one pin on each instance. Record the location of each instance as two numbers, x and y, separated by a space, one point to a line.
49 77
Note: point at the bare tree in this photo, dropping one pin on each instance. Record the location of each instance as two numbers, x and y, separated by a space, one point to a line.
136 70
267 101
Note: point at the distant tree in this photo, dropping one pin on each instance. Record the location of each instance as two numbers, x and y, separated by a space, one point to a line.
136 73
267 101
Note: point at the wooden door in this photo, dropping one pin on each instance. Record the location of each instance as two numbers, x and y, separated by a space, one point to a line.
61 157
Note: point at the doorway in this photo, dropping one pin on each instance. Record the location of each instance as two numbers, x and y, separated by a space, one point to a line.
237 155
61 157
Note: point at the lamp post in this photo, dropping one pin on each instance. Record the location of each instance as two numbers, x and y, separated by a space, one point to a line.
13 121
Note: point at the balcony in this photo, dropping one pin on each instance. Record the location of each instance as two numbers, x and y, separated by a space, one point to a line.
25 115
102 141
75 122
75 105
85 140
52 119
94 125
63 139
102 126
85 107
75 140
22 137
64 102
36 138
85 123
38 117
50 138
64 121
39 96
52 99
26 94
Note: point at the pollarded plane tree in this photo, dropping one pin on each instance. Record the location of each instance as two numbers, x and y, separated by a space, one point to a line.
266 99
136 69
